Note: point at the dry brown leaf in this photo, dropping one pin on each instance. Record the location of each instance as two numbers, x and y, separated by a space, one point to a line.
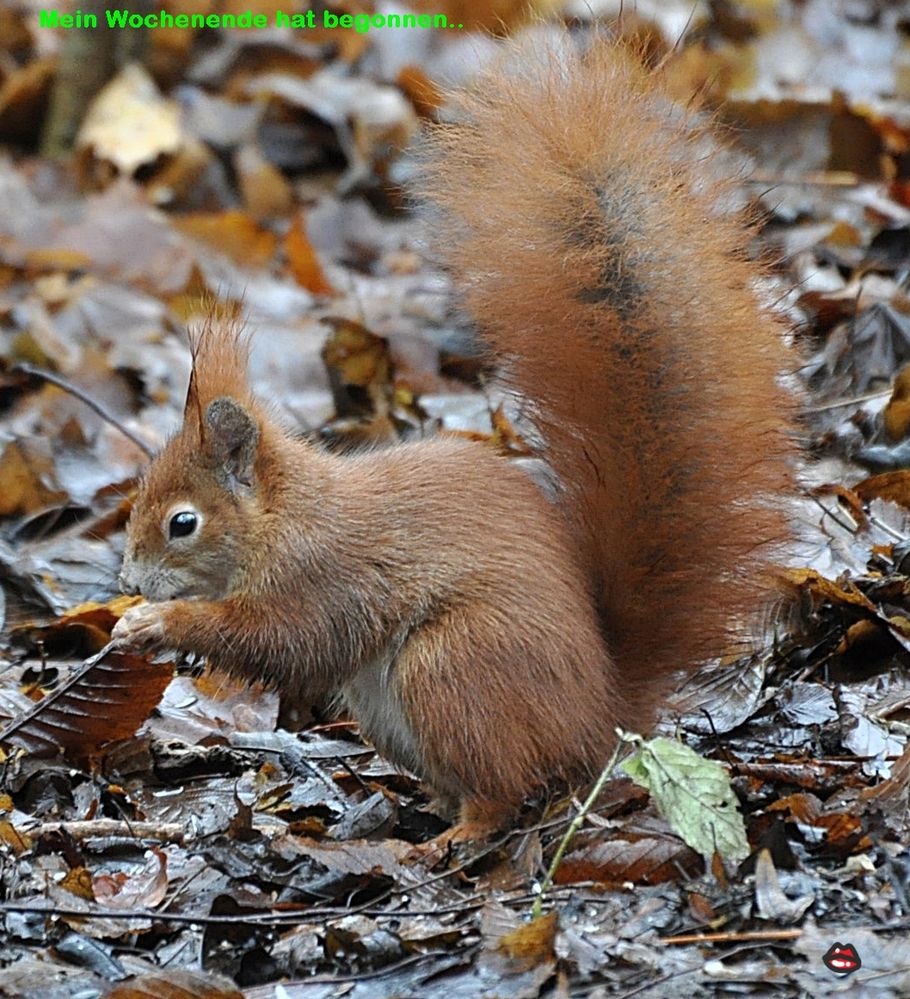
143 889
827 589
823 777
360 371
303 261
90 623
848 498
78 881
266 191
233 233
176 984
26 480
844 832
643 860
129 124
10 836
103 702
892 486
801 806
863 637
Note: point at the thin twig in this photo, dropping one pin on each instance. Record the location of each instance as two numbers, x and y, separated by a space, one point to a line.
855 401
80 394
363 976
167 832
83 829
688 938
267 918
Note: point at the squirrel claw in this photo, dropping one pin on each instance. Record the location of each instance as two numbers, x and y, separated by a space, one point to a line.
434 851
440 847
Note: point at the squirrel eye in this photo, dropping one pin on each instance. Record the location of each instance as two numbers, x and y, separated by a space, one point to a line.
182 524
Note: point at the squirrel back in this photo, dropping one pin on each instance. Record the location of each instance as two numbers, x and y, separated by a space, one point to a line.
588 220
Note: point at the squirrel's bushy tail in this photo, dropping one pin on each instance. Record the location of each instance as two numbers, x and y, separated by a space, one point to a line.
590 222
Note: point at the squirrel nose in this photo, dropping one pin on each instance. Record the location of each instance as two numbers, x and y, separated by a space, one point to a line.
126 586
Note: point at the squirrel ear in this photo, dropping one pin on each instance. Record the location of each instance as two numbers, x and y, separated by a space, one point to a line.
232 436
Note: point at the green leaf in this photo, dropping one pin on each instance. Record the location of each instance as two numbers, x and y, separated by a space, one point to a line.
694 795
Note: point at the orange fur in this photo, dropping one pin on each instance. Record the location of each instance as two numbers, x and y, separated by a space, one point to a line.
485 637
599 258
221 354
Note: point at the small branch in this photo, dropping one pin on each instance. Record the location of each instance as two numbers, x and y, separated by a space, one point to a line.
844 403
688 938
269 917
97 407
363 976
168 832
832 178
149 914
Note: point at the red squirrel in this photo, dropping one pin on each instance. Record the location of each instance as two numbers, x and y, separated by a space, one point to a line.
486 637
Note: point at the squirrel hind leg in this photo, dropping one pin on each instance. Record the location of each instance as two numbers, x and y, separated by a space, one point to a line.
499 708
472 818
478 820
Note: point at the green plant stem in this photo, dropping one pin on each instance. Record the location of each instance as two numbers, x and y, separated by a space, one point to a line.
574 826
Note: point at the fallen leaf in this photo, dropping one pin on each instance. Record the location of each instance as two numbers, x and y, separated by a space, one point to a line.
90 623
694 795
129 124
78 881
637 855
176 984
233 233
266 191
144 889
26 480
303 261
103 702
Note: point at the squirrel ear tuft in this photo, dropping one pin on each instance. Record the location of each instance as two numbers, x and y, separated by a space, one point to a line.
232 435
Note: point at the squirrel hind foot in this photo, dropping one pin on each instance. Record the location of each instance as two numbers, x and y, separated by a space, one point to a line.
478 821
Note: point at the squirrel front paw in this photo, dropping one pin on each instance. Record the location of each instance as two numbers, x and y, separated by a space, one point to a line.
141 627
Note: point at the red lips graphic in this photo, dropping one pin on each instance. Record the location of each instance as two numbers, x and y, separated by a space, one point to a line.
842 959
